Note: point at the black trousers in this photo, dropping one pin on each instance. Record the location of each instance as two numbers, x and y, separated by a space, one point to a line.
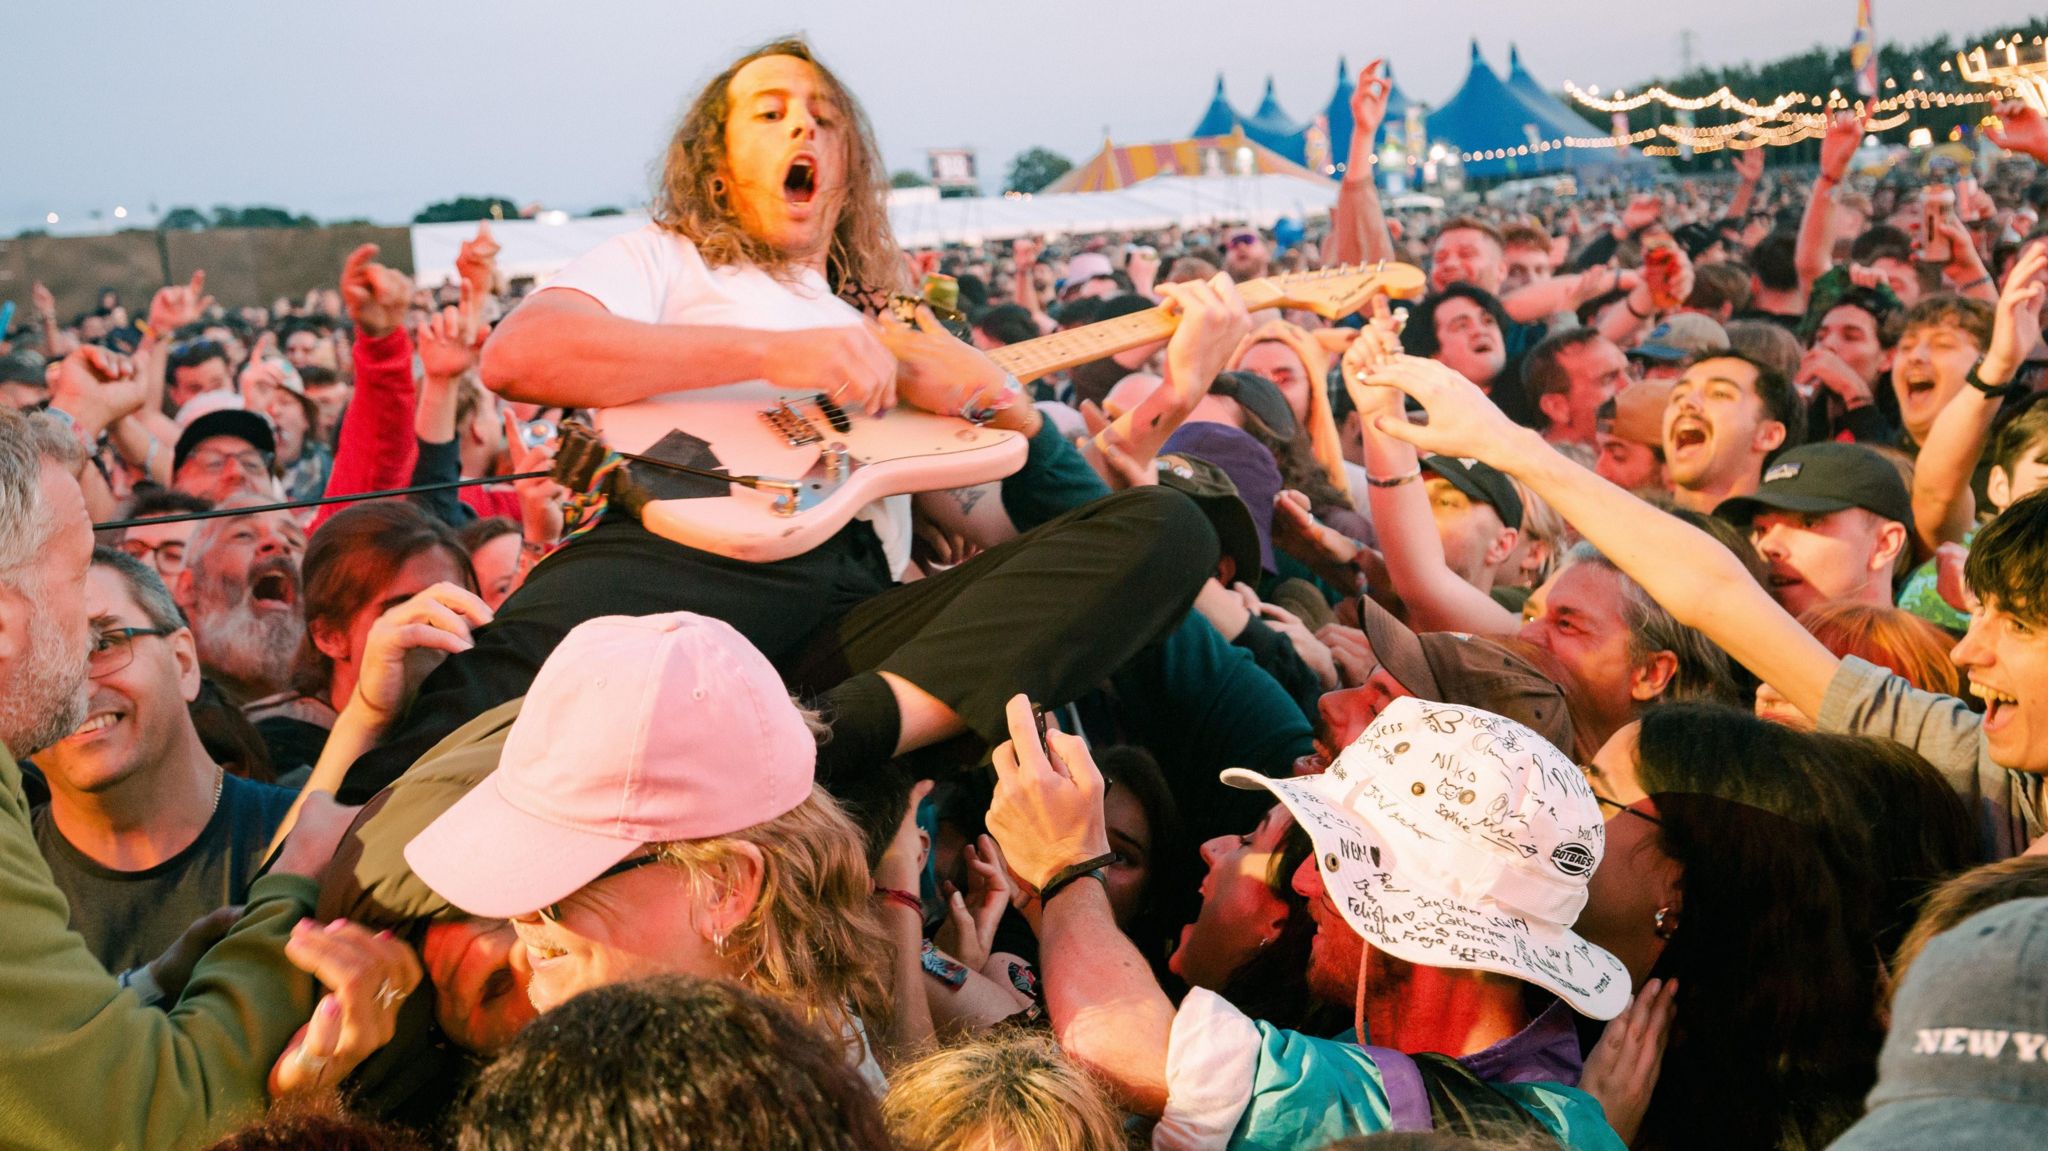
1050 614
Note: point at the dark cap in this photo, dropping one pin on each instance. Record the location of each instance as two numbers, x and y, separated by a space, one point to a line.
1446 667
1480 482
1965 1063
1823 478
1210 487
24 367
1259 396
236 422
1248 464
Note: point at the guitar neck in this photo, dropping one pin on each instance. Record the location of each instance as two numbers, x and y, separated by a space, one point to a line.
1075 346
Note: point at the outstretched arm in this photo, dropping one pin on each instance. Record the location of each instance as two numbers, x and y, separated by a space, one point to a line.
1815 253
1107 1010
1436 598
1358 228
1698 581
1943 504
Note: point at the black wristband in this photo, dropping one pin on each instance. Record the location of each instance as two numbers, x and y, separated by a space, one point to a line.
1066 875
1993 391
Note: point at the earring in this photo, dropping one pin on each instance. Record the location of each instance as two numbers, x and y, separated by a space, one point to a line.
718 942
1664 923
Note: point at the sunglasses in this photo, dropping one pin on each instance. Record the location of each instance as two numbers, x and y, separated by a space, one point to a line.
553 911
1242 240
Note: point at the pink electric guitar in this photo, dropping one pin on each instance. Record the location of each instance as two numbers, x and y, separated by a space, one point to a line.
757 473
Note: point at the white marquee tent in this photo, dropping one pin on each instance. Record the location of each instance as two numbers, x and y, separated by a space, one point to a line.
538 247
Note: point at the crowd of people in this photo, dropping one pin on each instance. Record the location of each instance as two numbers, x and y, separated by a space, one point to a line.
1592 704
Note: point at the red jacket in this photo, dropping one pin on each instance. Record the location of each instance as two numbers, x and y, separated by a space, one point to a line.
377 447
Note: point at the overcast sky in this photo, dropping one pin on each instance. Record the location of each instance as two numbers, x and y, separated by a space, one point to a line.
377 107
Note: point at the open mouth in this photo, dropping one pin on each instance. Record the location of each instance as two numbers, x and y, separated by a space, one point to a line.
800 183
1687 434
541 951
1998 705
274 585
1916 388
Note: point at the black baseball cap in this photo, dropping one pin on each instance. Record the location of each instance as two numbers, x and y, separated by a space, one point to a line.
1480 482
1822 478
1259 396
235 422
1212 490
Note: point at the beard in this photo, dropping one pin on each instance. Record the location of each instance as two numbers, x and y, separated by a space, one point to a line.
47 700
250 652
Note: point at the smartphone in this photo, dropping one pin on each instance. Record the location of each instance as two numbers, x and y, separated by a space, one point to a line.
1039 721
1936 201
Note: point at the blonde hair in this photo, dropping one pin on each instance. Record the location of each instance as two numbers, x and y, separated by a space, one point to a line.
1542 527
1315 368
1010 1088
813 939
862 260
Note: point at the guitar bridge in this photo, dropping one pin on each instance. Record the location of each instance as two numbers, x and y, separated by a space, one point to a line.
790 424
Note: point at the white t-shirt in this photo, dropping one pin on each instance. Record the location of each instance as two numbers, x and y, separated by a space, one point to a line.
656 277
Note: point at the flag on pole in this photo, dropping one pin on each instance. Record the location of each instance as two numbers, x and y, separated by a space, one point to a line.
1863 52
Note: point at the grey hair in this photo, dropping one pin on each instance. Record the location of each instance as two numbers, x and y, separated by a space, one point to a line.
26 525
144 586
1703 669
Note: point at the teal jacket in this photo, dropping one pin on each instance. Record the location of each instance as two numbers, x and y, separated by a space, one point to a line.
1236 1084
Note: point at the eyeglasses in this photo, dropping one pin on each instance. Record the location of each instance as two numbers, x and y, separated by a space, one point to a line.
553 911
114 648
166 556
1619 806
1242 239
252 462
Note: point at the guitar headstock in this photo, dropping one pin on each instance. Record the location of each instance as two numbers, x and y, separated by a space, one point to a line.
1334 293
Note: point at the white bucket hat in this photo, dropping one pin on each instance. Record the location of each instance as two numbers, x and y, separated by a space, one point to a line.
1452 837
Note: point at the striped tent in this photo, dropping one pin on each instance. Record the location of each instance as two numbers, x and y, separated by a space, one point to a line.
1120 166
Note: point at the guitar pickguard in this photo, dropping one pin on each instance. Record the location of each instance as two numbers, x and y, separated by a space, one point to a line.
680 447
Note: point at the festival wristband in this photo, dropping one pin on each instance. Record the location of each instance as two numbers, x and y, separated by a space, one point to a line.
1994 391
1067 875
900 897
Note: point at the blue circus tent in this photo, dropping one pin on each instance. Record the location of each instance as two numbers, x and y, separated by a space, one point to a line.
1487 115
1271 127
1559 118
1397 106
1337 114
1221 118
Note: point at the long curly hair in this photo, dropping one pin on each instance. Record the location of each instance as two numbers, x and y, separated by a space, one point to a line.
862 261
813 939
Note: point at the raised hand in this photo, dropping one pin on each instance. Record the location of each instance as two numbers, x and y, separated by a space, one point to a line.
540 497
1312 651
1463 422
376 296
969 932
1642 211
176 305
1369 104
903 859
367 977
410 640
96 387
476 261
1213 321
2018 320
2020 129
44 303
450 343
1047 811
1823 369
850 364
1838 147
1025 250
1749 165
1621 1072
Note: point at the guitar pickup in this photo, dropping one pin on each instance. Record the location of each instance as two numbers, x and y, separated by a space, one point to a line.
834 414
790 424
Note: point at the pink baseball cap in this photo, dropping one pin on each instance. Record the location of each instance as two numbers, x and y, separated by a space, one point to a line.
637 730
